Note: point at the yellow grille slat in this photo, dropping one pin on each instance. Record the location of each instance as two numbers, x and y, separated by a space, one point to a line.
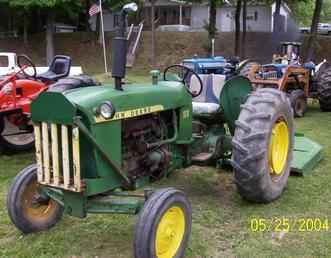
46 157
65 156
37 133
55 154
76 157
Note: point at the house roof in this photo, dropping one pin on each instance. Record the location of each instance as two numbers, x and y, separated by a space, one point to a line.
228 3
232 3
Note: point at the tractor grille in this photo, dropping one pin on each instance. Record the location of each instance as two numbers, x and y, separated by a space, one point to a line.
269 75
58 156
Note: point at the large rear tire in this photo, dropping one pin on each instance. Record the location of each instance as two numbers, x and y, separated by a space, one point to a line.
163 226
324 87
263 146
28 209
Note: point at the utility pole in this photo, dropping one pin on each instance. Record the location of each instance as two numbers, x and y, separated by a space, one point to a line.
153 32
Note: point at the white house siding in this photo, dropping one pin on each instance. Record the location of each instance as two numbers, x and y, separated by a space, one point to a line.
258 19
199 16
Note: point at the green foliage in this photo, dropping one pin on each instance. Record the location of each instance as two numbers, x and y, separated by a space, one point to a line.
303 11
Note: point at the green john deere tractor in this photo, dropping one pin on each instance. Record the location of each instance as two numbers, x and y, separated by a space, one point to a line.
100 145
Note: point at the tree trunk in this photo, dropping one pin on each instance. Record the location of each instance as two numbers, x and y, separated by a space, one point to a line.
10 20
212 23
87 15
97 27
50 36
212 19
237 29
25 28
244 22
313 30
153 33
277 24
276 27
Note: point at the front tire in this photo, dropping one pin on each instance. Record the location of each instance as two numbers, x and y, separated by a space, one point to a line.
298 102
263 146
27 208
163 226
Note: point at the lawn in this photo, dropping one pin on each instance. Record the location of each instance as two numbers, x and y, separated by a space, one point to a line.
221 219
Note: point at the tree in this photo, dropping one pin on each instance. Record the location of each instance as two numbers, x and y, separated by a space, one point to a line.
237 28
277 21
153 32
313 29
212 22
49 7
244 23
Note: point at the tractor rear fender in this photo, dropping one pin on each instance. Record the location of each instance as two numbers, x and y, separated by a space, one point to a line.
233 95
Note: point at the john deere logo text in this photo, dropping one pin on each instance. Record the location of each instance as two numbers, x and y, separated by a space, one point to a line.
131 113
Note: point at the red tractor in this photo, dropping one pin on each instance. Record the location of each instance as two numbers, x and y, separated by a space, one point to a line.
20 88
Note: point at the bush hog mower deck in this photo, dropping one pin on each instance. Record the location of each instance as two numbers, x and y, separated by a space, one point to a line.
102 143
19 89
287 74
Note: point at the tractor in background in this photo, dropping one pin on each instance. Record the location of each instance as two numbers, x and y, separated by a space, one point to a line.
213 70
101 147
19 88
288 74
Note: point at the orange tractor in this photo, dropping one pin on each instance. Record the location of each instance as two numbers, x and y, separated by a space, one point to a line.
19 89
299 81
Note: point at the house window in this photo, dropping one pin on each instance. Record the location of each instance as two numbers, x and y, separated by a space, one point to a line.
252 16
116 20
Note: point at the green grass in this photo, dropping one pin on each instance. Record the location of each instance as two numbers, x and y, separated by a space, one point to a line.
220 217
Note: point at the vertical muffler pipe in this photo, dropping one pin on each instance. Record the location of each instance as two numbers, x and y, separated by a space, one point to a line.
119 47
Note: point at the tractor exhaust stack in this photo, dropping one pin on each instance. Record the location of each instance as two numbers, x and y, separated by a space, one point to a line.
119 47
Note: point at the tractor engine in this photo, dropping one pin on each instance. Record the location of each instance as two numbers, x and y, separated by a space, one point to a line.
142 151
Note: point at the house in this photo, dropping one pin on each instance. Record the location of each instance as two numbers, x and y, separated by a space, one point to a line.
260 18
176 12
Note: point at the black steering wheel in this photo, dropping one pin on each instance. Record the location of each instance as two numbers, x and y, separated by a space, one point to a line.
25 62
183 74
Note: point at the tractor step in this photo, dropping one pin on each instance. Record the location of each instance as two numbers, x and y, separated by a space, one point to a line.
307 154
202 157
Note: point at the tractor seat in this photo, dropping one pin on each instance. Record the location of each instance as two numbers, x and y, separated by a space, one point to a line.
207 103
59 68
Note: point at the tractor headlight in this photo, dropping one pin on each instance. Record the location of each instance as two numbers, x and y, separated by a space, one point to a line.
106 110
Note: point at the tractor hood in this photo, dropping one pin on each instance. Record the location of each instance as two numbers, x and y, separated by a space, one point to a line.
135 99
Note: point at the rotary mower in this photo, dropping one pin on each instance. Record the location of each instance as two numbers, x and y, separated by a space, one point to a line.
299 81
102 144
20 88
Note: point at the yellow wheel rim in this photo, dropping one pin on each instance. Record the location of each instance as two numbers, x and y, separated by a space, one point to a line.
278 148
170 232
37 212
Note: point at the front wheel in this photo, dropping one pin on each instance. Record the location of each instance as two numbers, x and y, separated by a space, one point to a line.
263 146
164 225
298 102
28 208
